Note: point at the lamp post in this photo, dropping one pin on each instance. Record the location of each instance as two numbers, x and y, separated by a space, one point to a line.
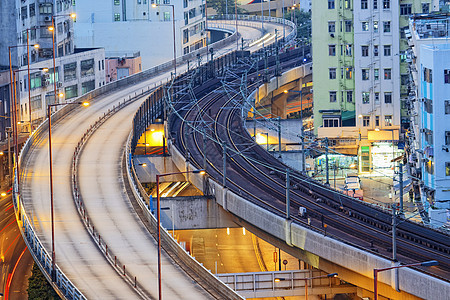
302 137
53 30
49 116
158 214
154 5
235 15
376 271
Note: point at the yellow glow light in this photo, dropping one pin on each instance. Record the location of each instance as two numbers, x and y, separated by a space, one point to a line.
73 15
51 28
45 69
85 104
60 95
153 129
243 230
203 172
277 280
352 166
228 230
144 164
3 194
261 139
153 5
377 129
285 91
36 46
1 153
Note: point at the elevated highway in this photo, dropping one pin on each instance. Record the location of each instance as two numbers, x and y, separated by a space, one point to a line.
102 248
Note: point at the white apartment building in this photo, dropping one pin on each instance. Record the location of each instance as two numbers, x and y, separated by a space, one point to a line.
122 26
430 105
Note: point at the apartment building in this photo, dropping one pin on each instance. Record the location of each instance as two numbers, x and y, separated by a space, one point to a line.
78 70
429 110
357 52
131 26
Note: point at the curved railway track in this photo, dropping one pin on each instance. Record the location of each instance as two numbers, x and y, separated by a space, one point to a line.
260 178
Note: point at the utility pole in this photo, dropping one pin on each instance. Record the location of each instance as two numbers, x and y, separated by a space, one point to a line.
327 182
288 199
204 149
400 177
394 233
224 181
279 137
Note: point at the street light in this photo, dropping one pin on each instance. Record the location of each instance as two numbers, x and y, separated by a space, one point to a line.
376 271
158 209
53 30
154 5
49 116
267 138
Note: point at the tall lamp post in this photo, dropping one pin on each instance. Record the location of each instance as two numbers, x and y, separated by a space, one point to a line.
13 107
49 115
376 271
158 213
53 30
154 5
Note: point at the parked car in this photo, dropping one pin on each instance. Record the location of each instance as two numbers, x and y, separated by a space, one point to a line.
352 186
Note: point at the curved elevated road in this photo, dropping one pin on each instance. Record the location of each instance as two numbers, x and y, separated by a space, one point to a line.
101 187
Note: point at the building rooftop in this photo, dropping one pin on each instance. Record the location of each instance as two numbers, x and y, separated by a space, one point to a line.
430 26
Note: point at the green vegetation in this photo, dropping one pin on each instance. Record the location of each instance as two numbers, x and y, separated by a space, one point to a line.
38 286
303 21
220 6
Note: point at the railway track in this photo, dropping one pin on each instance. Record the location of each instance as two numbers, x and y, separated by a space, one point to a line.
215 120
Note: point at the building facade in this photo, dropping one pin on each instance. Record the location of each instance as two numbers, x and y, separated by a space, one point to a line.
357 52
429 110
108 24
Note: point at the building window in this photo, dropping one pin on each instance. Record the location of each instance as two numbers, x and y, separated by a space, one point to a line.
428 105
348 50
32 10
387 26
87 86
35 80
70 71
375 50
387 74
446 76
425 8
46 8
447 138
348 73
87 67
375 26
447 169
365 74
387 50
331 26
364 4
447 107
71 91
332 50
428 75
386 4
332 73
36 102
376 74
366 121
116 2
166 16
350 96
405 9
375 4
365 50
347 4
333 96
331 122
365 26
377 121
116 17
376 97
330 4
388 97
387 120
348 26
365 97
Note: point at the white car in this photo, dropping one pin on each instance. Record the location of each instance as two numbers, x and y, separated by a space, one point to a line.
352 186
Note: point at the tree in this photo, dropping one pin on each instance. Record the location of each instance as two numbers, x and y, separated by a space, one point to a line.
303 21
221 5
38 286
